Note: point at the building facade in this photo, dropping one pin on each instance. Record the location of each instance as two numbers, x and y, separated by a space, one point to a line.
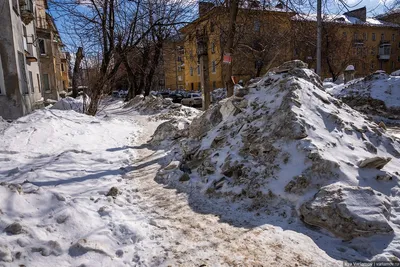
20 85
268 36
53 62
173 51
354 39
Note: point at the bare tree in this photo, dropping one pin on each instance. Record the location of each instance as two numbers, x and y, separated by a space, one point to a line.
118 29
76 73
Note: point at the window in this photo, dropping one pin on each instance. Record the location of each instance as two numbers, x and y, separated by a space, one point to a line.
214 85
214 67
62 67
198 69
212 47
192 86
372 65
393 37
64 87
373 37
15 6
38 82
191 71
365 36
179 59
373 51
212 27
23 78
180 78
2 86
179 68
42 47
393 66
398 58
355 36
382 37
46 82
31 82
257 26
199 86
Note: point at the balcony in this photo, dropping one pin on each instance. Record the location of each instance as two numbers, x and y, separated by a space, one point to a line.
384 51
27 12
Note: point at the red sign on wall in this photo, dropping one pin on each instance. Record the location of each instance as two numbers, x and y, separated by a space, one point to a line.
227 58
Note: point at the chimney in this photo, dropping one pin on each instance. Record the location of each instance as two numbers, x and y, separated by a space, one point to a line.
204 7
360 13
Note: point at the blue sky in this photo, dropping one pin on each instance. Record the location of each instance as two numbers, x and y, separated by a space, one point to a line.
374 7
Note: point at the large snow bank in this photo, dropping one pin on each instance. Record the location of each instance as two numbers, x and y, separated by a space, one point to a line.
56 168
161 108
218 94
377 94
277 142
78 104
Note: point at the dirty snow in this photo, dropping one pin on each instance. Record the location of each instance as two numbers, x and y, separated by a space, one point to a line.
254 150
56 169
377 86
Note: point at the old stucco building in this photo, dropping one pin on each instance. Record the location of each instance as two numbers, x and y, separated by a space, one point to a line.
268 36
53 62
20 84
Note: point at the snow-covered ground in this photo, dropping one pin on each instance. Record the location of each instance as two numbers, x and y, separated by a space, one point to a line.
377 95
56 169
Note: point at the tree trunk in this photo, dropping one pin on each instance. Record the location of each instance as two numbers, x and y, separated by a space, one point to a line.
150 75
76 74
233 11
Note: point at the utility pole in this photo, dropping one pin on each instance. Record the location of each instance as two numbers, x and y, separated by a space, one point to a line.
319 35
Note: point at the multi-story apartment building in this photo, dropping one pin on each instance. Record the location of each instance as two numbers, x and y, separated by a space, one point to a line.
173 51
53 62
20 88
369 44
268 36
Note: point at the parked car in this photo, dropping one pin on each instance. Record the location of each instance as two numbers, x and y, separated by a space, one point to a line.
163 94
176 97
192 100
123 93
115 94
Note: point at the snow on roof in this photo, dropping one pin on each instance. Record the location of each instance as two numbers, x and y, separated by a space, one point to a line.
345 20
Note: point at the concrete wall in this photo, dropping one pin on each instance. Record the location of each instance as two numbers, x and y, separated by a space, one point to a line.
16 101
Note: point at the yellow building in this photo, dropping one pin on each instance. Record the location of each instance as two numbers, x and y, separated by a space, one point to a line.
267 37
261 35
53 62
368 44
173 58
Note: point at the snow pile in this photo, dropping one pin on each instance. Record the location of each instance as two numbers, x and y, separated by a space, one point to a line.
78 104
3 124
278 142
162 108
218 94
395 73
377 95
56 170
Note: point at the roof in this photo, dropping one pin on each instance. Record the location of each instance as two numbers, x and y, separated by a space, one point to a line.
344 19
214 9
